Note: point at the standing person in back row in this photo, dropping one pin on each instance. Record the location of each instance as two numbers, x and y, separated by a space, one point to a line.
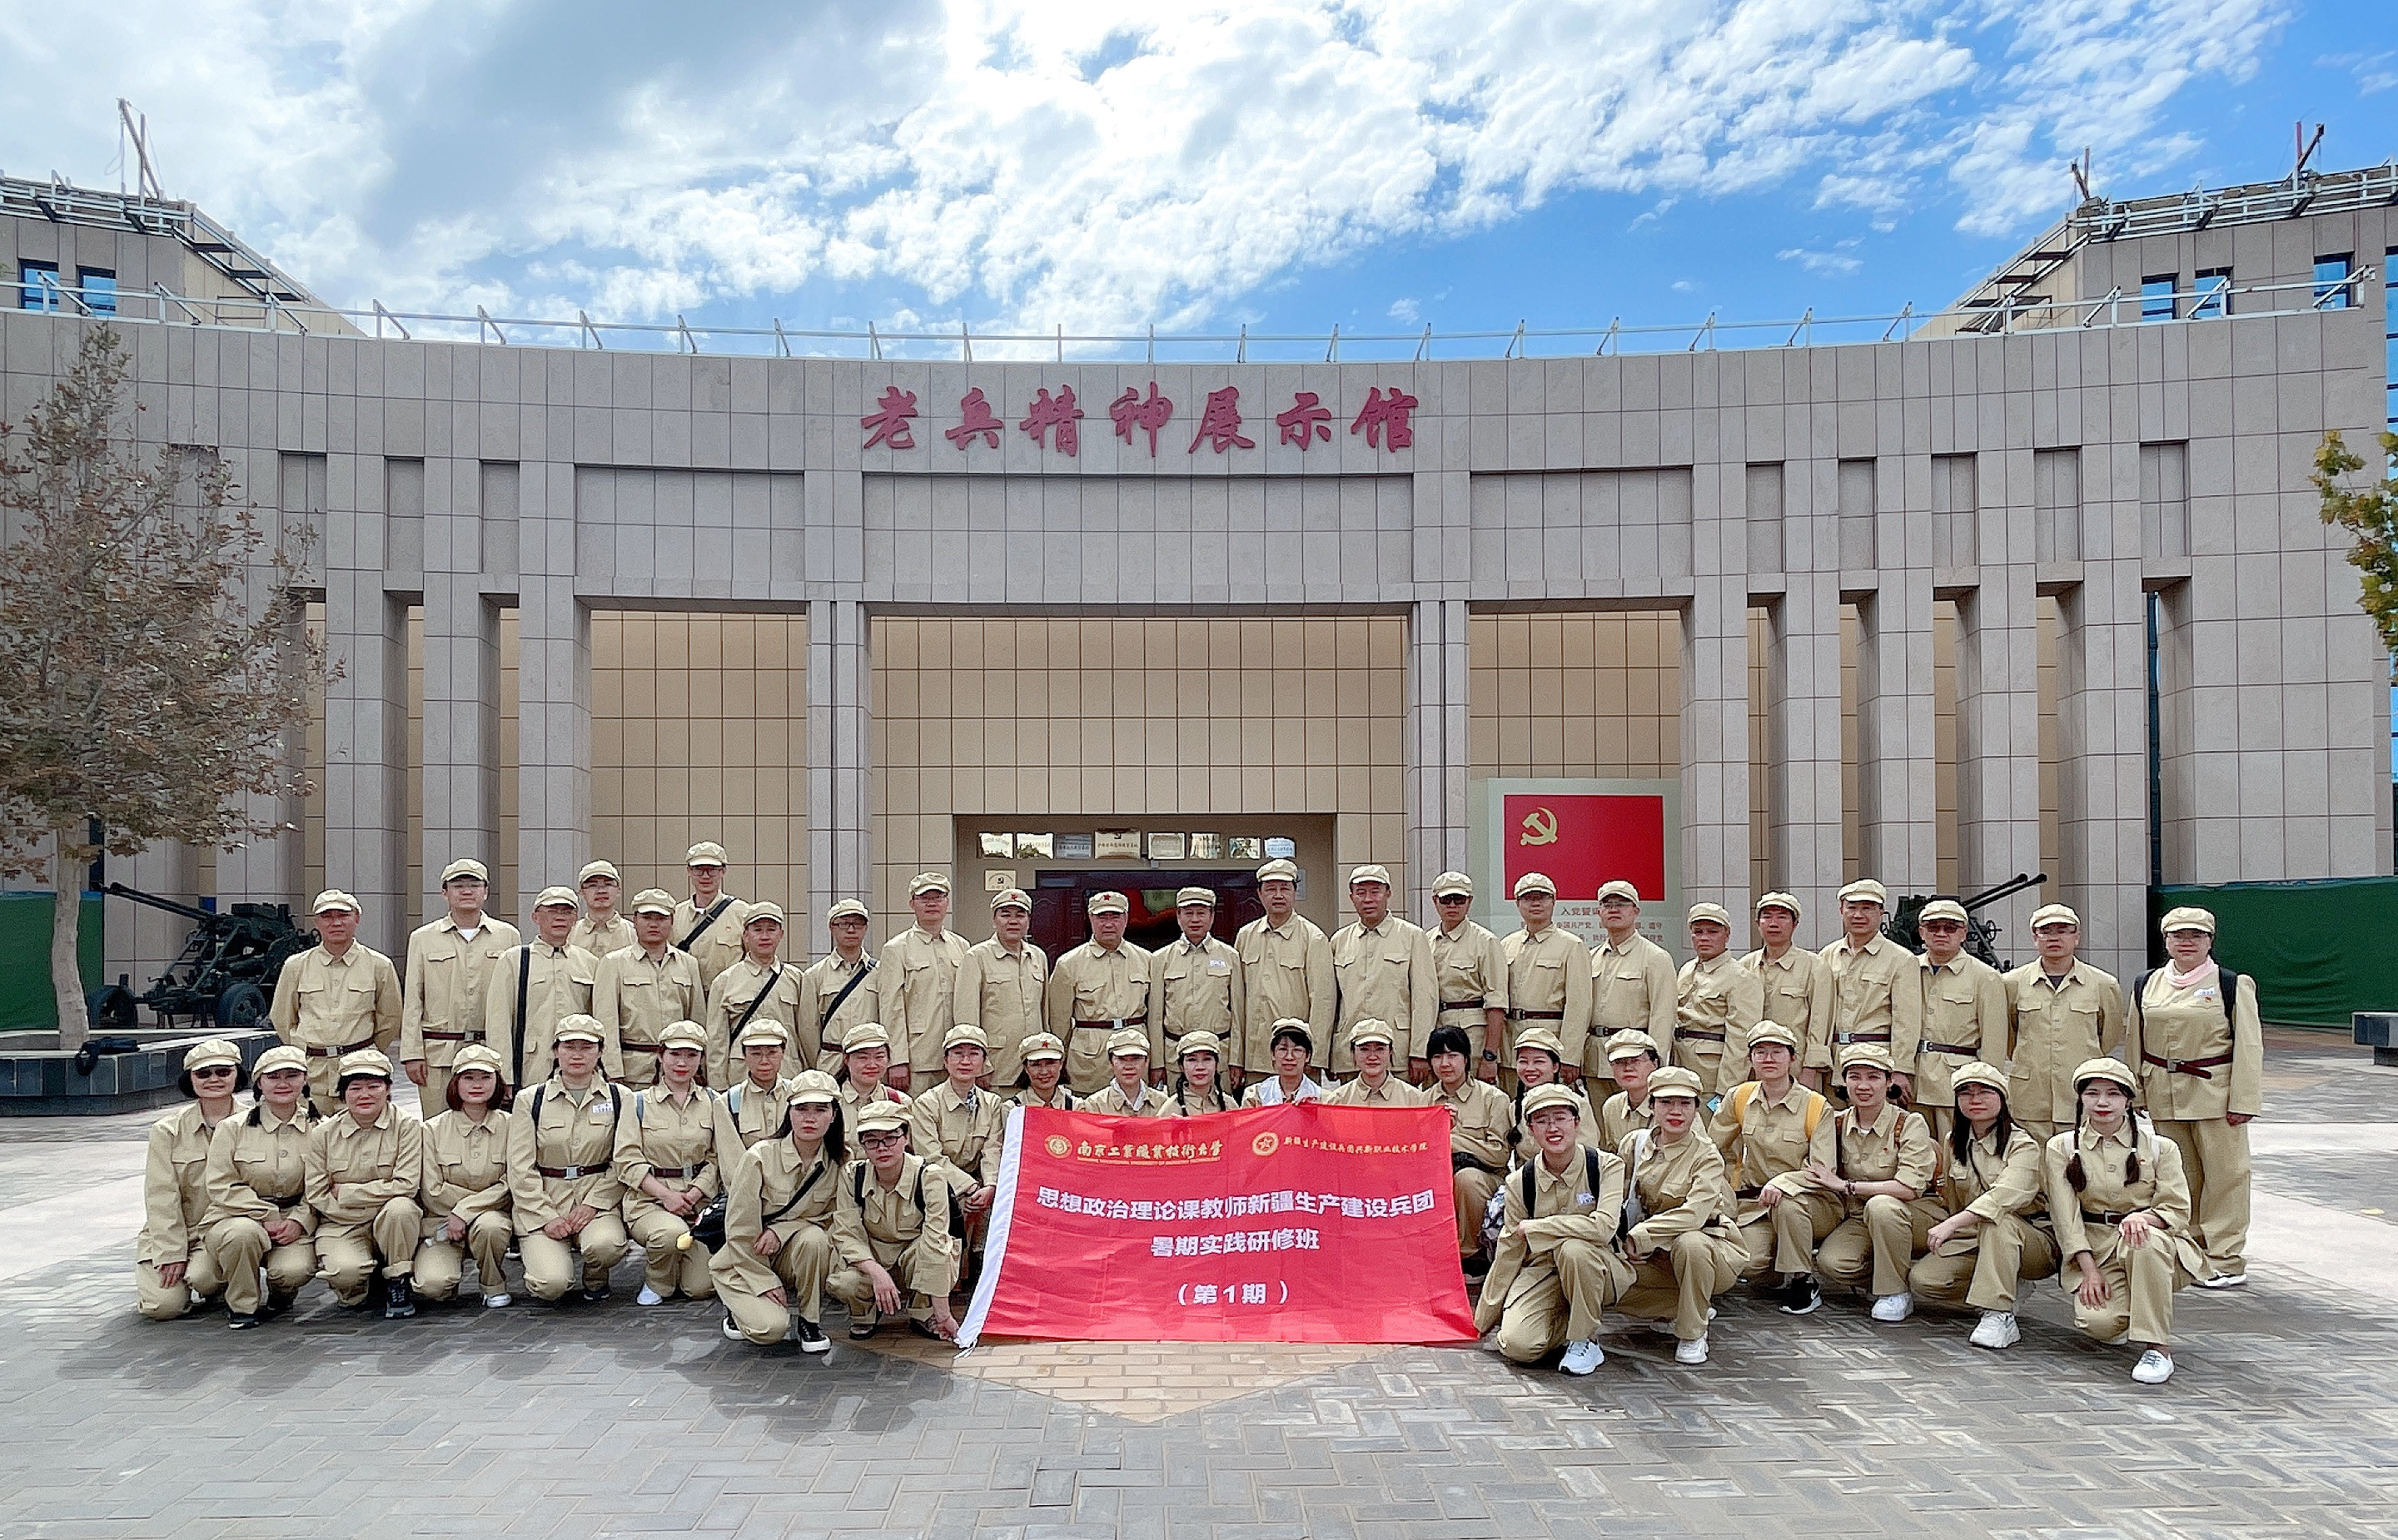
2062 1012
1632 985
999 987
759 987
918 983
1194 981
1548 977
708 924
644 988
1471 972
338 997
2201 1046
841 988
1876 988
1286 974
602 930
450 962
1965 1013
1096 992
1383 965
535 986
1797 986
1718 1000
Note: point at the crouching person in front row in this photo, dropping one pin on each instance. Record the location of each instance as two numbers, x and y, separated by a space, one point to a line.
1556 1266
897 1233
562 1171
1687 1248
366 1165
467 1183
778 1209
1997 1234
2121 1204
258 1198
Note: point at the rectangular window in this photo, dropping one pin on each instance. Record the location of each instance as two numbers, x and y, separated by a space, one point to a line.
2157 298
37 285
98 290
2214 293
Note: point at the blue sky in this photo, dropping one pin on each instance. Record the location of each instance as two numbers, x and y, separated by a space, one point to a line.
1286 163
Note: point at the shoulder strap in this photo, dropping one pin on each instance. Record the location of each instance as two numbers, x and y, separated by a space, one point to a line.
774 981
1527 1188
1816 1106
700 928
858 1184
641 1109
524 987
1590 1171
856 979
536 1107
802 1191
1745 1093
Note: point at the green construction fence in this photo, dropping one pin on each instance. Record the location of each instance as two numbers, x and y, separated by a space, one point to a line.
27 1000
2319 951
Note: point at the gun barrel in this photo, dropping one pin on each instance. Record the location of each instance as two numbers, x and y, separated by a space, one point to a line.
155 902
2008 888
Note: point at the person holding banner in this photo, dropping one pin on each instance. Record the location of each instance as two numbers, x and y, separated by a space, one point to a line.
1686 1248
780 1206
1557 1265
1771 1129
1199 1077
866 1058
1129 1095
1882 1172
894 1230
1043 1057
1294 1048
1372 1048
1539 1061
1481 1131
750 1113
1632 1059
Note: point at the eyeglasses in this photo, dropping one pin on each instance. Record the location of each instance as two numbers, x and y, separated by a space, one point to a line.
881 1141
210 1072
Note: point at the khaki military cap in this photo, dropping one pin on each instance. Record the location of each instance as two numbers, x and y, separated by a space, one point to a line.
763 1030
816 1086
332 901
1535 882
1619 888
2186 918
1942 908
1714 913
558 896
1674 1080
882 1118
2054 914
1373 1029
210 1054
1370 872
653 901
2104 1069
364 1060
1774 1032
1865 890
927 882
1128 1041
1278 869
1782 900
965 1037
476 1056
684 1035
1865 1055
707 852
1199 1042
769 910
1630 1042
1043 1045
1012 898
281 1056
848 908
1976 1073
1109 904
598 868
866 1035
466 866
1542 1098
1195 895
579 1028
1452 885
1542 1038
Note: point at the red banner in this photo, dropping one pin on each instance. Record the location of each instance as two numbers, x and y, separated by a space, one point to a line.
1581 841
1299 1223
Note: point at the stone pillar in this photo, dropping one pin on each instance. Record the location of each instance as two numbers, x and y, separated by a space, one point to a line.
1997 742
1898 790
1439 754
841 760
366 747
1715 702
2102 725
461 681
1803 701
272 869
553 681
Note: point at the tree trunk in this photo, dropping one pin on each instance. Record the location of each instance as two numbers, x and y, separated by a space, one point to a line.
66 975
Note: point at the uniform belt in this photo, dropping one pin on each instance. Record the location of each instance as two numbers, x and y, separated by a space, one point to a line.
643 1048
316 1053
432 1037
1536 1015
1968 1050
2091 1217
291 1202
1860 1036
2203 1068
1682 1031
1113 1023
675 1173
1464 1005
1746 1195
569 1173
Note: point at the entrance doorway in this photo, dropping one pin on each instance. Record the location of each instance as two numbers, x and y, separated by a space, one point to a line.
1061 919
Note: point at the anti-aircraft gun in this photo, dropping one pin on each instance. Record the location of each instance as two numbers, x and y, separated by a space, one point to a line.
1981 935
226 974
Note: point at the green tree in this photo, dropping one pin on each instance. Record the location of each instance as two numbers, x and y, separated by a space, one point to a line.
153 655
2370 514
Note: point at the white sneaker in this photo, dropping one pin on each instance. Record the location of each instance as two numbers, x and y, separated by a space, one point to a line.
1693 1351
2225 1280
649 1296
732 1332
497 1302
1997 1328
1584 1357
2154 1368
1891 1308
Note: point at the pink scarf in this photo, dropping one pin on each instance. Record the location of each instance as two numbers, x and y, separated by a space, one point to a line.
2200 976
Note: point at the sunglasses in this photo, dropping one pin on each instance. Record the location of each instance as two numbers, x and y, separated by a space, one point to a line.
211 1071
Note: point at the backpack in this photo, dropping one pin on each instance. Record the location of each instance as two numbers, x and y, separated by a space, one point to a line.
857 1195
1745 1093
1494 1213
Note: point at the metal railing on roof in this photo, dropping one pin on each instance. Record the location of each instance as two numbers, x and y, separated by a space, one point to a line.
63 202
2305 193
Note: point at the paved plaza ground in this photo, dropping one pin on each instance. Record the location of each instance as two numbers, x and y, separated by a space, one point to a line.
610 1419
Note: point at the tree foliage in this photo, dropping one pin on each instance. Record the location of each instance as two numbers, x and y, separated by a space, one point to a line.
2370 514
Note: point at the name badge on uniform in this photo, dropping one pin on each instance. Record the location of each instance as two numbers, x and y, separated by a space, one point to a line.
600 1112
1583 1200
1217 965
2207 993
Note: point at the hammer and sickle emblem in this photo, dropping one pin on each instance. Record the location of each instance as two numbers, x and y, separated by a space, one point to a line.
1539 827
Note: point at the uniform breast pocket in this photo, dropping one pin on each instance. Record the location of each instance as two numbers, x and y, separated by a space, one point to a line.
582 982
312 998
1176 973
1958 995
2084 1022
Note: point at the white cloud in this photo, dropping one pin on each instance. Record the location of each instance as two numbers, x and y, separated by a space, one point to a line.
1836 264
1035 164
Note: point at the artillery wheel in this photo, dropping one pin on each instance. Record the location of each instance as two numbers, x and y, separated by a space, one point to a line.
243 1005
111 1006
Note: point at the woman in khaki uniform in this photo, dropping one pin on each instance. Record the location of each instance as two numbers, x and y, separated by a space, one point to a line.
1556 1267
2121 1209
1771 1129
562 1171
257 1193
1883 1166
173 1274
2200 1048
751 1109
1199 1077
1289 1054
779 1213
1373 1048
893 1232
466 1209
865 1060
1996 1235
1043 1057
1129 1092
366 1166
1539 1057
671 1156
1687 1248
1632 1058
1481 1130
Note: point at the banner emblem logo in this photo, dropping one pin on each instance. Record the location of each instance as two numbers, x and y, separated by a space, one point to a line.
1265 1144
1058 1145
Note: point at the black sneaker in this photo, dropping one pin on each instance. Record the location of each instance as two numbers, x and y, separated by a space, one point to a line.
399 1299
592 1295
276 1305
241 1321
1478 1264
811 1335
864 1326
1801 1298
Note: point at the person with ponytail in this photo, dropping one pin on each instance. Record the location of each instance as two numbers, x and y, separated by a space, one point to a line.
1997 1234
2121 1209
1199 1077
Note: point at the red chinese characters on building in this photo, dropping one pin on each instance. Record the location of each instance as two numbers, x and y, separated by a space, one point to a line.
1219 422
1388 416
1130 411
1059 413
973 407
1304 424
891 422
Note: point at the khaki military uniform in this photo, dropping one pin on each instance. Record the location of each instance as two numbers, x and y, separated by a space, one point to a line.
1985 1266
1798 995
1877 997
1063 1100
1881 1236
1770 1144
824 980
767 1180
717 947
1631 988
363 1182
600 939
1548 984
1285 974
961 1134
2200 1065
728 1000
1189 1103
566 1158
1592 1133
919 988
557 982
905 1227
747 1114
682 1145
2141 1281
855 1100
2055 1027
1394 1091
1556 1267
1192 989
1715 1004
636 996
329 1006
1110 1101
465 1176
1481 1135
1384 973
1471 978
174 1215
257 1171
1092 991
442 1003
1618 1120
1964 1018
1691 1247
1000 991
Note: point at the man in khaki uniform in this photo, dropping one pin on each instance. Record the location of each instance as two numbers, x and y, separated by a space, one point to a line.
536 985
1470 972
1716 999
1557 1265
708 924
891 1229
602 930
758 988
1097 990
1633 1060
364 1166
919 983
1797 986
2061 1012
1964 1013
1001 985
643 989
449 963
1632 984
1194 980
336 997
1285 974
1876 988
2200 1052
1548 975
839 987
1382 966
